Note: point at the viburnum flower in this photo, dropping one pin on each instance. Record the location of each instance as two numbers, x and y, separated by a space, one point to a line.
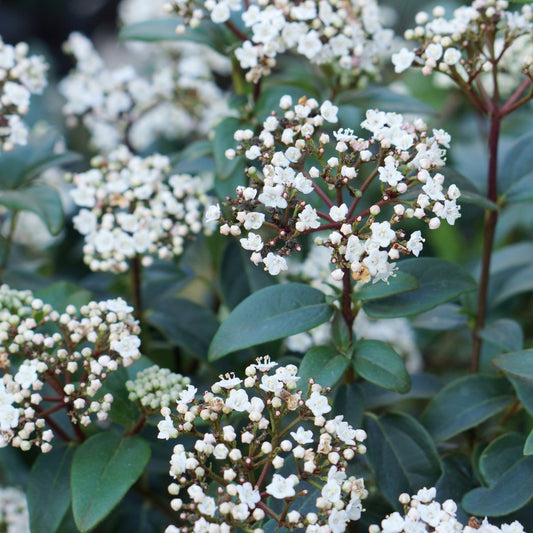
72 352
21 76
294 165
423 513
121 106
132 207
244 432
483 43
346 35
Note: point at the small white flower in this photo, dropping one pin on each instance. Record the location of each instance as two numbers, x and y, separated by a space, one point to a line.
281 488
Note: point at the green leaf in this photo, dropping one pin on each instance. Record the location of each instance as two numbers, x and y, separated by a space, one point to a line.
439 282
441 318
269 314
377 362
40 199
399 284
401 454
517 283
185 324
470 194
340 333
349 394
384 99
465 403
510 477
528 446
164 29
423 387
239 277
517 162
48 490
504 333
324 364
64 293
105 466
512 256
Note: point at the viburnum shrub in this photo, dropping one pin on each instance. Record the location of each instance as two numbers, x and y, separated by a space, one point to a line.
344 185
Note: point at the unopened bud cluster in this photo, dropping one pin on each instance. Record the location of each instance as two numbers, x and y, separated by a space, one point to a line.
347 35
122 106
477 39
20 77
14 516
263 446
295 166
423 513
71 352
155 387
131 207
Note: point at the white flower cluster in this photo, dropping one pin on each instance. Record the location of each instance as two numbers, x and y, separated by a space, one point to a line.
155 387
345 34
121 106
284 453
299 163
459 46
20 77
132 207
14 516
72 352
423 514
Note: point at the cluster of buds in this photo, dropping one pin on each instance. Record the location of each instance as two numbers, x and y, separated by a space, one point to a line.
482 40
294 165
53 361
267 450
347 35
14 516
20 77
423 513
121 106
155 388
132 208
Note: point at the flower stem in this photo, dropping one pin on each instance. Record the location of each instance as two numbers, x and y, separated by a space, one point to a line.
136 277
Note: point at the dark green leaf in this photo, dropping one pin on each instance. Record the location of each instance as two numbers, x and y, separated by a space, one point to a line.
517 283
510 477
400 283
423 387
271 313
512 256
441 318
521 190
439 282
63 293
48 491
239 277
377 362
324 364
505 334
517 162
105 466
40 199
162 279
528 446
185 324
401 454
340 333
470 194
349 395
384 99
465 403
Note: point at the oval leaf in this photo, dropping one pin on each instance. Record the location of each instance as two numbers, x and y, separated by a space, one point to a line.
378 363
465 403
439 282
105 466
324 364
269 314
48 507
400 283
402 455
528 446
505 334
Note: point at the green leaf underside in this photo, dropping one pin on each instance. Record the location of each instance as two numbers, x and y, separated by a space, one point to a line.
105 466
439 282
324 364
269 314
509 475
465 403
441 318
184 323
37 198
402 455
48 491
377 362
